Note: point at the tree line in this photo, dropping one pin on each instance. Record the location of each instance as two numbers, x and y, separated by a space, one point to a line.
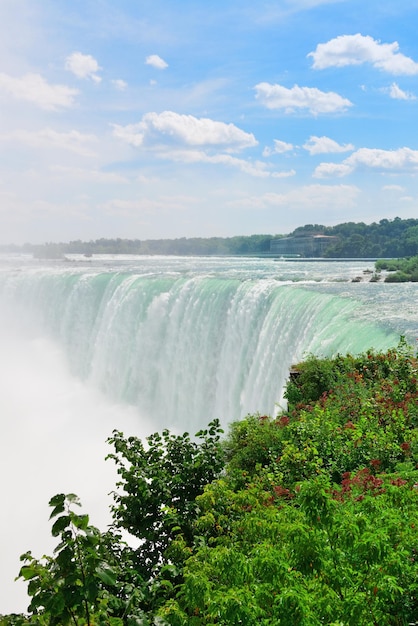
386 238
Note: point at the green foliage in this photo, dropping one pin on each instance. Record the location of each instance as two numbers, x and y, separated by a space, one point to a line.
402 270
344 413
311 379
199 246
96 578
17 619
306 519
386 238
252 443
74 585
158 487
315 519
319 558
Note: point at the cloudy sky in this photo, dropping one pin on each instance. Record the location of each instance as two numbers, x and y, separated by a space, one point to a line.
170 118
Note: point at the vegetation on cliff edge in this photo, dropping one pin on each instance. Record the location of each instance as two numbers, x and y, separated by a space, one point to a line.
401 270
303 519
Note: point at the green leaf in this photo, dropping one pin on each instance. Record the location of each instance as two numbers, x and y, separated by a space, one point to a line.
60 508
72 498
106 575
60 524
56 604
27 572
80 521
57 499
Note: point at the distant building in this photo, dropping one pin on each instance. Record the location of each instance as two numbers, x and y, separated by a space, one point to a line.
307 245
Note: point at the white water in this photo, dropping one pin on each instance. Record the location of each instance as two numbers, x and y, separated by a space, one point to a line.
141 344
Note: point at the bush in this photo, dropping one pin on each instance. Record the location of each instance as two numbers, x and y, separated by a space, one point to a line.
303 519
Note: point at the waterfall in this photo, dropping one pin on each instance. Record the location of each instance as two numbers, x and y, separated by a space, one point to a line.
187 349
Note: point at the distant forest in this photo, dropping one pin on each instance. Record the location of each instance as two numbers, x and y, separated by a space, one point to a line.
387 238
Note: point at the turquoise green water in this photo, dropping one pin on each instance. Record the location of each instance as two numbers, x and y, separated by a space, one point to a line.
188 340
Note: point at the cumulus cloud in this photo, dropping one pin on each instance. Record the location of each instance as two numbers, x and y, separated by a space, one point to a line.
329 170
401 160
323 145
279 147
83 66
156 61
398 94
173 129
74 141
119 84
35 89
358 49
187 139
310 98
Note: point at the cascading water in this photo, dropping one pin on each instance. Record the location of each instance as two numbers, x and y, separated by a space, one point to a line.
144 344
185 350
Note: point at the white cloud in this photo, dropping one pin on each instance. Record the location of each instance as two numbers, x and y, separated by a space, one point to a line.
323 145
156 61
358 49
398 94
147 180
119 84
287 174
401 160
312 197
253 168
34 88
328 170
80 174
83 66
173 129
279 148
258 169
187 139
73 140
311 98
393 188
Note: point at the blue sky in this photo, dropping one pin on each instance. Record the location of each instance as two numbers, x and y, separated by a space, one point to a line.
167 118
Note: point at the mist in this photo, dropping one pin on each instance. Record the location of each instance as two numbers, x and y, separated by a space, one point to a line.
54 431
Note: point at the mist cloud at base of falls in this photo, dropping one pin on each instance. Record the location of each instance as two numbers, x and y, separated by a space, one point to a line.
54 431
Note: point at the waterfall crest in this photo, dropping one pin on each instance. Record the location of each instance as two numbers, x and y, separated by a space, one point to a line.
187 349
